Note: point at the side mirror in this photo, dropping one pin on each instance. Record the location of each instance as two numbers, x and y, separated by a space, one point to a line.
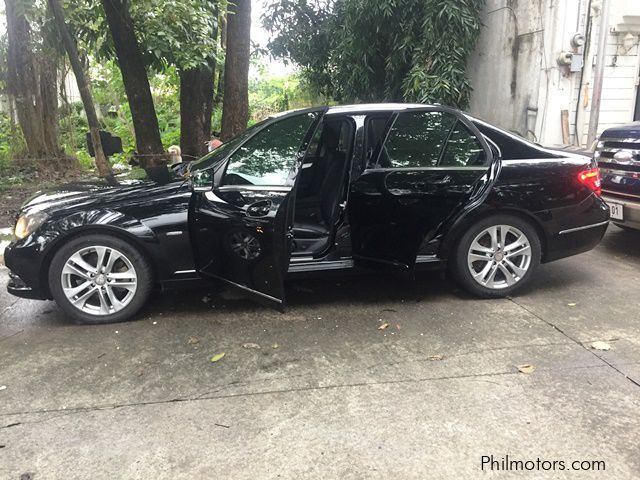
202 180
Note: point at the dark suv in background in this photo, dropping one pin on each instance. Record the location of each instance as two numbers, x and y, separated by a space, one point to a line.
618 155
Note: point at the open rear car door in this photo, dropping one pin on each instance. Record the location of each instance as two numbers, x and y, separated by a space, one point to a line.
241 211
430 166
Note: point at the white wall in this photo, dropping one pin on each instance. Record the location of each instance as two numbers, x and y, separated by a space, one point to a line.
518 83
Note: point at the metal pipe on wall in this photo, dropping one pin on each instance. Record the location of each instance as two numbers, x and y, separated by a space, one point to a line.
598 79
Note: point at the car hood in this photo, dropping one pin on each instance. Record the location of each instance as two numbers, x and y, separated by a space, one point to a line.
631 130
98 193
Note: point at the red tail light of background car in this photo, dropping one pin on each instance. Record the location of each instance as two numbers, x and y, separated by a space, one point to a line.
591 179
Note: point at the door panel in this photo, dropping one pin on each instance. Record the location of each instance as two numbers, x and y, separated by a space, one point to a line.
238 235
241 230
394 210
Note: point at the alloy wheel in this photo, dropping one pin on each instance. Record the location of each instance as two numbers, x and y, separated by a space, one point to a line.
499 256
245 245
99 280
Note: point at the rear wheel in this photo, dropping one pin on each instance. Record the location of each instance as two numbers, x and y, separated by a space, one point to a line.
99 279
497 256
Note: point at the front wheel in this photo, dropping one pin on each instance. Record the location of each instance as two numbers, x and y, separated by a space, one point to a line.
496 256
99 279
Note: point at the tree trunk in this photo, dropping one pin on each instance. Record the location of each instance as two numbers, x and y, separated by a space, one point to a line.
196 103
136 82
49 97
217 101
104 169
235 110
22 80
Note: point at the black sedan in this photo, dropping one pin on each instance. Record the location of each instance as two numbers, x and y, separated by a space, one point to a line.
366 187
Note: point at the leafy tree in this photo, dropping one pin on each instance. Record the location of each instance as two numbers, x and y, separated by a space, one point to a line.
85 92
375 50
170 33
31 78
135 78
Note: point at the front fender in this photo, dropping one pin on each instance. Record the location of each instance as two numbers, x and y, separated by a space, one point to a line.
30 258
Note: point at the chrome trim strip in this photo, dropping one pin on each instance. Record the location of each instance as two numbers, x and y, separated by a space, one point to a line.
427 258
174 233
614 171
301 259
421 169
327 265
183 272
619 140
249 290
616 194
258 188
577 229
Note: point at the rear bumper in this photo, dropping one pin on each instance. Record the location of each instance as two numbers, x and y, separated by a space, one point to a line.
630 207
580 231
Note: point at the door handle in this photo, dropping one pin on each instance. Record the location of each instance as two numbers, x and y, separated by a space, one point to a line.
442 181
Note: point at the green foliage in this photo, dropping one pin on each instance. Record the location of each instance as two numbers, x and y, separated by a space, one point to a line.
181 33
271 93
379 50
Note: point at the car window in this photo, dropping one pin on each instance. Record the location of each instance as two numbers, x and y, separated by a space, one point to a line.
463 149
375 129
268 157
416 140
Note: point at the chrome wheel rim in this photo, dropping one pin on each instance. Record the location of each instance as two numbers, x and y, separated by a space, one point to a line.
245 245
499 257
99 280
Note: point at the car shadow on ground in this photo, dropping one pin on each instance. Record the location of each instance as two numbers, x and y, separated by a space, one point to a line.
204 298
347 289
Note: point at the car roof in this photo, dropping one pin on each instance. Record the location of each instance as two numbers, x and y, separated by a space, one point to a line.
360 108
375 107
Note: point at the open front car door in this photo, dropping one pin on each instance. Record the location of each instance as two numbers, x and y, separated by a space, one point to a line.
241 211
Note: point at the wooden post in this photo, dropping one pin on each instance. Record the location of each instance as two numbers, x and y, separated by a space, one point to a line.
564 120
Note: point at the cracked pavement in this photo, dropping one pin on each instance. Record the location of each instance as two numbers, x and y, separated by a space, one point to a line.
337 398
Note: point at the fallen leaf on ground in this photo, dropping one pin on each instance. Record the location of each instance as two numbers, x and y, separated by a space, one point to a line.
398 327
3 387
250 345
192 340
436 358
384 326
275 345
217 357
526 368
571 304
600 346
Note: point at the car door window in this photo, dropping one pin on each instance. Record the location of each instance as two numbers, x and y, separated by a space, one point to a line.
416 140
463 149
268 157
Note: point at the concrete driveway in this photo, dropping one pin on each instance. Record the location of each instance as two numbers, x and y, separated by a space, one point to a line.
328 394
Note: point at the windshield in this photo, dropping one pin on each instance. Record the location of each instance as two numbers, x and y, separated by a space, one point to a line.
216 156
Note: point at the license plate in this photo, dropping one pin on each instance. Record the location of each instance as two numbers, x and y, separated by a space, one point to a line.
616 210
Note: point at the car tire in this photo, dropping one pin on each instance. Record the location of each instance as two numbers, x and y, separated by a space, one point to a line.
120 289
490 268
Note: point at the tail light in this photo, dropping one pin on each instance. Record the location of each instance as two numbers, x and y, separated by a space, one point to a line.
591 179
